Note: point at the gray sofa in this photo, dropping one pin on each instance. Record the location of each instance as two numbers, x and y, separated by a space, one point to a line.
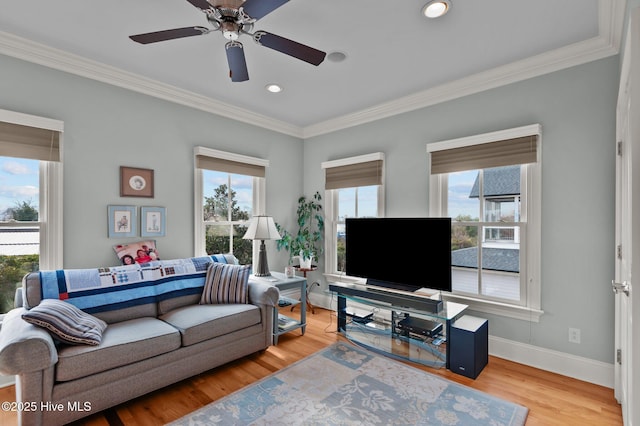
155 337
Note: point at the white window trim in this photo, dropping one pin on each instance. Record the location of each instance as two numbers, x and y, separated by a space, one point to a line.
51 210
331 204
51 186
531 214
259 195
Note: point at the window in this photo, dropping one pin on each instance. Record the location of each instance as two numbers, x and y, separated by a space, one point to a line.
229 191
354 188
30 200
490 186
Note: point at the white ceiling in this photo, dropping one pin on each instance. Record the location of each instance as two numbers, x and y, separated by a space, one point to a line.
396 61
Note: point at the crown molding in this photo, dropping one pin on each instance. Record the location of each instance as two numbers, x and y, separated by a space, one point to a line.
37 53
579 53
607 43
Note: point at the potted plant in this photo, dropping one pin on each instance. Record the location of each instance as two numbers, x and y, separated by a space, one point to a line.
307 242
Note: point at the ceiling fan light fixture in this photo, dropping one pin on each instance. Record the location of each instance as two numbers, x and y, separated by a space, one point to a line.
231 18
230 31
273 88
436 8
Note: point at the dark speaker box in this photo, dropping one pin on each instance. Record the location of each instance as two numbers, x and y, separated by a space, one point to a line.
468 343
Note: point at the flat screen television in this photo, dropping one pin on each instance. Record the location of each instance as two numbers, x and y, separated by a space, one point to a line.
400 253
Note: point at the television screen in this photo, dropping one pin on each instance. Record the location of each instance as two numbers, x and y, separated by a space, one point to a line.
401 253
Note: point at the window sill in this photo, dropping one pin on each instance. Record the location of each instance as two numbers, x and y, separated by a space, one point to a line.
344 279
487 306
496 308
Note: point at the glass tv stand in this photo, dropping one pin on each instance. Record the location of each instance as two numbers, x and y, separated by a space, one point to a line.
400 325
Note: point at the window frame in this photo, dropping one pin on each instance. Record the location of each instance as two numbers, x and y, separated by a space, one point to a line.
331 209
50 212
530 245
259 192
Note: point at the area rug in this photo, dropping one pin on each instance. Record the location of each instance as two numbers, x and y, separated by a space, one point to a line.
347 385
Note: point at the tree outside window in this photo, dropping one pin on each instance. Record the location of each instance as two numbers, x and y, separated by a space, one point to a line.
227 208
360 201
19 225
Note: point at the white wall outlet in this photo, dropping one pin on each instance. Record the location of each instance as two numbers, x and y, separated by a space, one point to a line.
574 335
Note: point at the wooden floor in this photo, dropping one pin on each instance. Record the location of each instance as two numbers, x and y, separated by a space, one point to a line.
552 399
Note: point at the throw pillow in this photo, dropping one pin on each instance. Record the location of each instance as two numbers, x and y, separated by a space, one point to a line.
66 322
226 283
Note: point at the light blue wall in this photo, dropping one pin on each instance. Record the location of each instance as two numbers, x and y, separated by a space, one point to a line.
576 108
106 127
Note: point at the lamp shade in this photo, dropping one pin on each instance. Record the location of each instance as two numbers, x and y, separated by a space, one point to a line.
262 228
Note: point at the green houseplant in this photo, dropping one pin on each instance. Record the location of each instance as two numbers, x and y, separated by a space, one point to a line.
307 241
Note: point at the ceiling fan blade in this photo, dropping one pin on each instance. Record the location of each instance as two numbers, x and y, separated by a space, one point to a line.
237 63
169 34
289 47
200 4
259 8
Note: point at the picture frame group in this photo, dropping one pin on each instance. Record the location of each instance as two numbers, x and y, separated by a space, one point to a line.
123 221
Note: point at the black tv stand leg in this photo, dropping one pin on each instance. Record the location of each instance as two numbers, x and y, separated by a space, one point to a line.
342 314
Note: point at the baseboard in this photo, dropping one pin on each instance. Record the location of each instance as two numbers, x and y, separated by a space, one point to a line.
7 381
588 370
577 367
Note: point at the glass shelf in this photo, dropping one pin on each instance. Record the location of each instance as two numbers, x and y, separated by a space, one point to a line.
381 337
404 326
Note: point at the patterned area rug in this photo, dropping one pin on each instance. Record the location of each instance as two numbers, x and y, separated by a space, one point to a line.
347 385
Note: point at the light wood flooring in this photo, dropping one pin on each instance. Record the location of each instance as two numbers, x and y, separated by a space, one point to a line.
552 399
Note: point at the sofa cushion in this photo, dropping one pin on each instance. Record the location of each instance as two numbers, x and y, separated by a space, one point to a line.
226 284
67 323
202 322
172 303
122 343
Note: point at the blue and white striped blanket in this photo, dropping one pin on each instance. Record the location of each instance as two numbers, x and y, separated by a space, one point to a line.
105 289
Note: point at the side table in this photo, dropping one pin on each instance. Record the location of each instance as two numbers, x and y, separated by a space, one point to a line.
282 323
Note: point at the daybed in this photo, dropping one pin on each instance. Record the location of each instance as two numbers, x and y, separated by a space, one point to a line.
159 330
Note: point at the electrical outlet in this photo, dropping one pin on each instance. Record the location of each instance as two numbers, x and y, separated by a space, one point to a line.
574 335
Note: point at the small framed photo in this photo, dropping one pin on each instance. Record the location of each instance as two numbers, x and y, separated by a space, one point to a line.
122 221
153 221
136 182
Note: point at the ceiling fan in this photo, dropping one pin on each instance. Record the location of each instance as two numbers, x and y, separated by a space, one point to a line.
233 18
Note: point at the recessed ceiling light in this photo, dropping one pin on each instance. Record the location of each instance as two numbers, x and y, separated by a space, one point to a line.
436 8
273 88
337 56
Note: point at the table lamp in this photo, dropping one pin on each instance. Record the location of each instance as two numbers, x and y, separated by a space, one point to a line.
262 228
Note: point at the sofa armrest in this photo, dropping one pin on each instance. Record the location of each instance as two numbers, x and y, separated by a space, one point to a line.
262 293
18 299
24 347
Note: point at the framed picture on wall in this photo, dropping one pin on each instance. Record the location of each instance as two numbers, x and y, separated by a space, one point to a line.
153 221
122 221
135 182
